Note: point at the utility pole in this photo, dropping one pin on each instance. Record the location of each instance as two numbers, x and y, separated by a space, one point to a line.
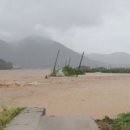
54 69
69 61
80 62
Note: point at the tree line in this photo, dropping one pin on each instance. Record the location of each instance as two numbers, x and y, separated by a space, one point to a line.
5 65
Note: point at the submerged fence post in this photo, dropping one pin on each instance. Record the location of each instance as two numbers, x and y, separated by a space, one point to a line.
54 69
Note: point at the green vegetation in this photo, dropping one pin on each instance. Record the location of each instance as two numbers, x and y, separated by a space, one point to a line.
6 115
122 122
69 71
5 65
107 70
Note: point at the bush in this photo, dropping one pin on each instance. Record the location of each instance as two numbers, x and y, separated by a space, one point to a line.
69 71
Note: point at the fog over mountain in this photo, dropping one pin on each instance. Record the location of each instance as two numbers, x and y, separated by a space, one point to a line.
117 59
39 52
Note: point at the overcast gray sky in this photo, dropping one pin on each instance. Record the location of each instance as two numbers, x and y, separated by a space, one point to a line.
101 26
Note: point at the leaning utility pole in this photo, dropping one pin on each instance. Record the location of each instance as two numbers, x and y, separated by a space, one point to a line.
80 62
69 61
54 69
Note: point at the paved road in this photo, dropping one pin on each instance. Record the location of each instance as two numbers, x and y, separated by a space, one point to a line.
26 120
33 119
67 123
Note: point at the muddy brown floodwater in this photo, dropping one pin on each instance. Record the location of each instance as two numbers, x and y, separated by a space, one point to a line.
94 94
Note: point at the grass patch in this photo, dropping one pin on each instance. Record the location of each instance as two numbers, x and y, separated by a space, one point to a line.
6 115
122 122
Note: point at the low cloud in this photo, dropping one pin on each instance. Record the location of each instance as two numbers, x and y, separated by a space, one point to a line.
89 25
